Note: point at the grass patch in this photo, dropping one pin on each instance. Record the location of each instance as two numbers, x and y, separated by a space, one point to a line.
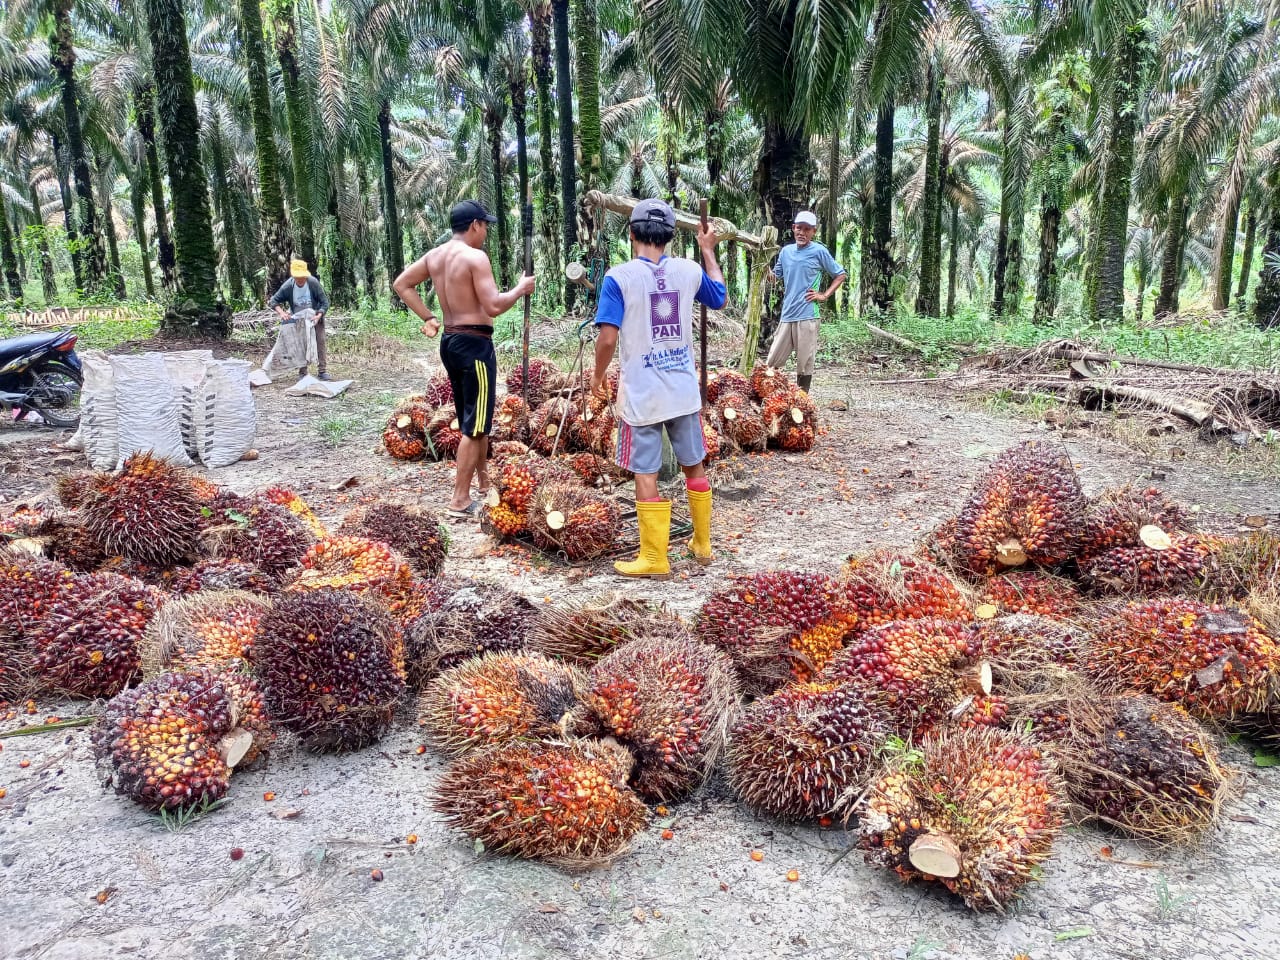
177 820
141 323
336 428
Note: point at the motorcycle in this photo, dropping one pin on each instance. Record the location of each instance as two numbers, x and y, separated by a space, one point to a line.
40 373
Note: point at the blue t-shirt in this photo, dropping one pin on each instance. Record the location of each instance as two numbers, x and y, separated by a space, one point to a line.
610 308
798 269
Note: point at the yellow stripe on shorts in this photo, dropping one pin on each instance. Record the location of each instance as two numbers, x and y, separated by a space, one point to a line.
482 399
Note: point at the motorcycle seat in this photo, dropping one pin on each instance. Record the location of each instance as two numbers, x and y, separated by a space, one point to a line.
16 346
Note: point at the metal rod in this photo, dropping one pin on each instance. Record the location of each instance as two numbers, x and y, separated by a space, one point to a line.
702 386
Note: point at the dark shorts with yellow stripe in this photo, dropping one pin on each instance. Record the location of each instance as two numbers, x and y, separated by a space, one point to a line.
473 372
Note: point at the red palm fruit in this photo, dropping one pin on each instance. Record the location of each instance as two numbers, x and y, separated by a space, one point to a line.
497 698
403 438
805 751
1116 518
1217 662
588 467
766 381
974 809
224 574
331 668
670 701
740 422
507 449
1163 565
566 803
72 488
938 545
723 382
570 519
444 434
256 531
1020 645
1027 507
148 511
923 673
510 420
1028 591
584 632
544 379
439 391
778 625
367 567
212 630
503 521
552 424
884 586
284 497
791 418
710 436
23 523
465 619
31 589
415 533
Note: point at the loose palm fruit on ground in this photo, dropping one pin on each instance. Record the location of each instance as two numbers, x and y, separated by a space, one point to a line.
497 698
778 625
224 574
402 438
472 618
974 809
439 391
415 533
722 382
544 379
740 422
256 531
1217 662
88 644
566 803
444 434
1164 563
551 425
284 497
884 586
1027 591
214 629
510 420
330 667
791 418
805 751
1116 518
923 674
1027 508
146 511
570 519
585 632
766 381
670 702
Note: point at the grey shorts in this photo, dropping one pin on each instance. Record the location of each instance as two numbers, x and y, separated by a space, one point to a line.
640 448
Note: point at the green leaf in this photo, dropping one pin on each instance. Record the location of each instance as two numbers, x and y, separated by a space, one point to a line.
1263 759
1075 933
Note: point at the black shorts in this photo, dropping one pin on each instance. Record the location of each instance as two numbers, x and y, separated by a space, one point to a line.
473 373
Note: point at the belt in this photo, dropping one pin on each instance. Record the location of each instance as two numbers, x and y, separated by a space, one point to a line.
472 329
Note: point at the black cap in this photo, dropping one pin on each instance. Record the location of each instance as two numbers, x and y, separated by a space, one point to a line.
466 213
654 211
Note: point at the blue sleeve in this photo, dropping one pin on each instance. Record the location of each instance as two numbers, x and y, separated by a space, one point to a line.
609 309
777 267
829 264
282 295
711 292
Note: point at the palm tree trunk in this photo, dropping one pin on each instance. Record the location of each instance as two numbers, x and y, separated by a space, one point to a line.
367 208
714 123
7 257
1047 273
341 271
390 211
222 206
586 30
138 200
62 56
109 229
564 101
299 133
275 227
953 239
198 303
1246 257
493 119
144 102
1112 221
1266 304
68 212
931 207
48 280
846 256
548 202
880 267
1224 260
782 172
1171 265
866 243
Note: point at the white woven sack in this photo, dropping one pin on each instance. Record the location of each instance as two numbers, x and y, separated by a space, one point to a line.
295 345
98 425
226 420
187 371
148 409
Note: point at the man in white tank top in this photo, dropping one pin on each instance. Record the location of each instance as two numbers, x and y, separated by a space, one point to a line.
646 315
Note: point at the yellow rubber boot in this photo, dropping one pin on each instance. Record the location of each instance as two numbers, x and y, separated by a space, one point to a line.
655 535
700 513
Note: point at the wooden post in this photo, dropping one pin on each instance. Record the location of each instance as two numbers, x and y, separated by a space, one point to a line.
526 217
702 386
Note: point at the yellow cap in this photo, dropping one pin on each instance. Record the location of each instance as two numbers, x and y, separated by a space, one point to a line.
298 268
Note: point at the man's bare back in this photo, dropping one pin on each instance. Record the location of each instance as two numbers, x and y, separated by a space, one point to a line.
453 267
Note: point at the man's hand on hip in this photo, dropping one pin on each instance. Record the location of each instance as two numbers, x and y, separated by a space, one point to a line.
815 296
431 327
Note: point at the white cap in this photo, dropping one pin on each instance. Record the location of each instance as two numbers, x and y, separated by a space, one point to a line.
807 218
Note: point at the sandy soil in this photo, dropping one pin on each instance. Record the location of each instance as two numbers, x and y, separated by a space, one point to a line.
892 464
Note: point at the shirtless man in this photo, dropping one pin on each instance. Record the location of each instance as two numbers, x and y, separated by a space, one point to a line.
469 299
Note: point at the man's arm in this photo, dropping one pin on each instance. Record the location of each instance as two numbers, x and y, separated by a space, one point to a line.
406 288
321 300
493 303
280 298
712 291
609 310
838 272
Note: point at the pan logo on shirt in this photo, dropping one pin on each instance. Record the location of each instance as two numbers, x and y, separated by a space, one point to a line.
664 316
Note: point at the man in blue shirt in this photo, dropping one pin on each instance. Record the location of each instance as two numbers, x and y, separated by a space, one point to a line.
799 265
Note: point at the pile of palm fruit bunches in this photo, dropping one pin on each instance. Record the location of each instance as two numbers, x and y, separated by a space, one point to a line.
553 455
1043 657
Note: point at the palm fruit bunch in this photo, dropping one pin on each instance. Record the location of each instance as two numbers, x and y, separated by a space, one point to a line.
31 588
497 698
1027 507
588 468
22 523
510 420
740 422
213 629
884 586
284 497
219 573
766 381
444 434
1019 647
1217 662
791 418
147 511
1116 518
585 632
174 741
551 424
403 438
70 489
507 508
975 809
610 381
778 625
368 567
256 531
439 390
723 382
68 540
416 534
88 644
923 673
1027 591
1162 563
506 449
565 803
544 379
805 750
473 618
669 700
570 519
331 667
710 437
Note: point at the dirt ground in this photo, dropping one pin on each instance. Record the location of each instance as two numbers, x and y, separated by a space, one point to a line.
894 462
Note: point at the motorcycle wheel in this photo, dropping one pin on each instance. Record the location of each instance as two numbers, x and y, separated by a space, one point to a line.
55 394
